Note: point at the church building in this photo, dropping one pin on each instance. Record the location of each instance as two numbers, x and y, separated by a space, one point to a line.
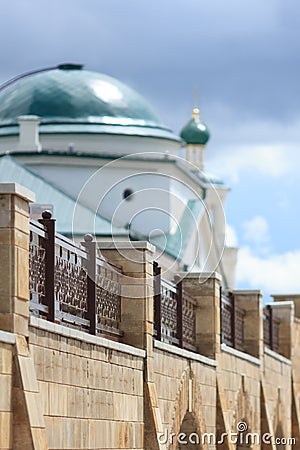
98 157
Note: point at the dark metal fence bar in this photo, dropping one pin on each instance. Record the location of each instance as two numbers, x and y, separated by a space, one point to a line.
174 312
232 322
271 329
70 285
157 300
37 270
179 314
48 245
91 281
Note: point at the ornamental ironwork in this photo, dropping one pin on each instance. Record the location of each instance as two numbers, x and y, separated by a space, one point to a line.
226 311
232 319
70 284
168 312
108 299
37 273
189 321
271 330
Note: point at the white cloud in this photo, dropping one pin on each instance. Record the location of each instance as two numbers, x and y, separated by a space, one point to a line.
256 230
276 273
269 160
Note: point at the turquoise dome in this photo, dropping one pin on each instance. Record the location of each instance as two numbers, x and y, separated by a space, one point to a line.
70 100
195 131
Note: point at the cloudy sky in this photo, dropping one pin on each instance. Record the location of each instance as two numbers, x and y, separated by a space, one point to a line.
243 58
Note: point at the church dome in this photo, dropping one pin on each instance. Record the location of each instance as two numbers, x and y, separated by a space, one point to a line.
195 131
70 100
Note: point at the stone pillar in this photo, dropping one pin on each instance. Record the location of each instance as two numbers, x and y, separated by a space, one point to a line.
205 289
14 257
284 311
137 319
290 298
251 302
136 259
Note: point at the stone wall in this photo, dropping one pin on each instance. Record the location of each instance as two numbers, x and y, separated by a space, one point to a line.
66 389
185 383
277 393
91 389
238 376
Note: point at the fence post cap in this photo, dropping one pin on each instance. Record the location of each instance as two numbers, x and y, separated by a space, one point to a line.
47 215
88 238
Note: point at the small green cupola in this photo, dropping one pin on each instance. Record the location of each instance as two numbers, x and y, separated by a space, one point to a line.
195 132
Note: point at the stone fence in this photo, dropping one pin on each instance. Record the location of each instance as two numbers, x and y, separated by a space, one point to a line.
98 351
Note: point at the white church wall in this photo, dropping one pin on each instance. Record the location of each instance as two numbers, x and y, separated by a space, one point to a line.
101 144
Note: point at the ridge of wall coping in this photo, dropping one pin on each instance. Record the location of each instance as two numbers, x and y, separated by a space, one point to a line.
239 354
85 337
200 275
277 356
282 304
285 296
7 338
184 353
247 291
17 189
126 245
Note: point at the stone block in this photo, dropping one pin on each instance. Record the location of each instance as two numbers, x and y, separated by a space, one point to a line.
21 307
5 202
22 274
20 221
39 439
6 357
44 396
6 219
20 205
5 322
21 239
6 419
133 292
91 440
6 287
6 236
6 391
36 418
27 374
22 346
20 324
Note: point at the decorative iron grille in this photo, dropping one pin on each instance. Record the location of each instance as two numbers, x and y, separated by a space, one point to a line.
189 322
174 313
70 285
271 330
168 313
108 299
232 319
239 328
226 312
